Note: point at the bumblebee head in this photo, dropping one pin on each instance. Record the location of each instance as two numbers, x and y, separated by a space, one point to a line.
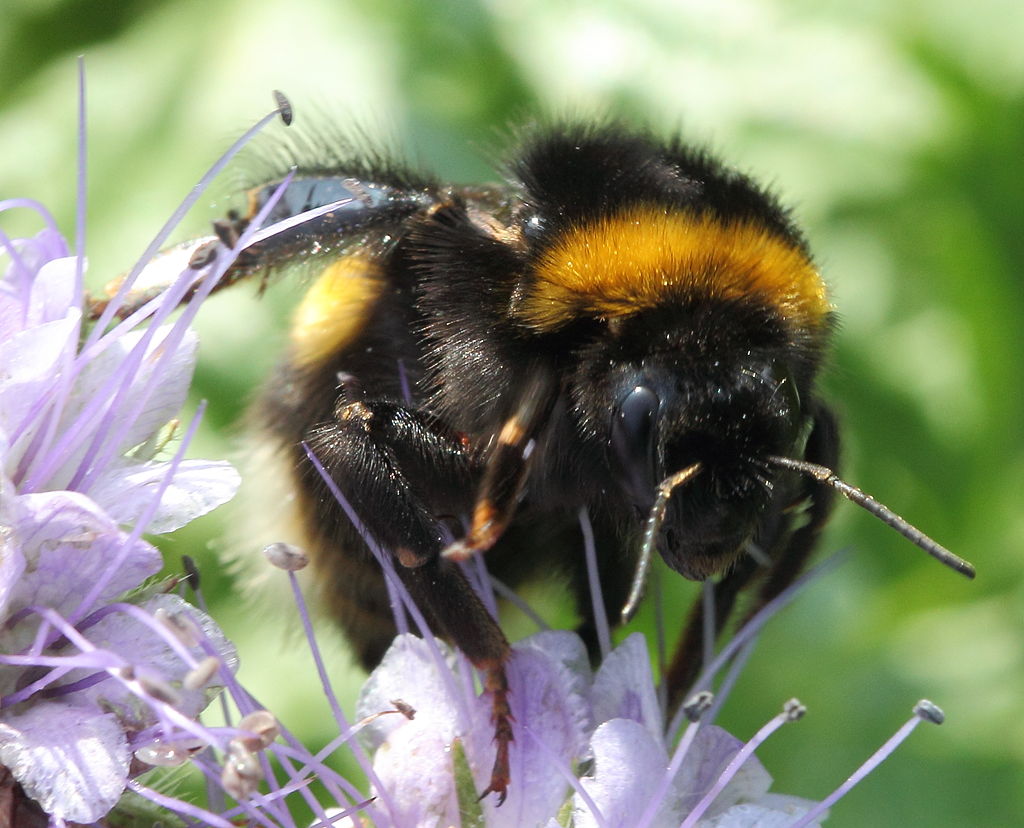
707 385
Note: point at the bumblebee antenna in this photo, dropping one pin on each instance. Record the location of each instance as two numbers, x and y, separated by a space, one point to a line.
879 510
654 521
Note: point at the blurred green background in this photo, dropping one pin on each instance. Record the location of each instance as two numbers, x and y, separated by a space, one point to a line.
897 132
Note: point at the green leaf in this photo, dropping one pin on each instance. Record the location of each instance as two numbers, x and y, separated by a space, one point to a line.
465 788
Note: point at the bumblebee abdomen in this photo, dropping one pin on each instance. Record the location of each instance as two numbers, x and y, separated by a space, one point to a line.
351 337
335 309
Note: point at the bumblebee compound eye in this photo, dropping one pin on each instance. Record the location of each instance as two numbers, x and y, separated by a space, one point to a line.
632 444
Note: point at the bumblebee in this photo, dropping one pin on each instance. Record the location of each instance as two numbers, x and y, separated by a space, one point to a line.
627 326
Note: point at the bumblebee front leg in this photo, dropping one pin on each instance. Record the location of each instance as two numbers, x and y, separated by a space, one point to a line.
399 469
508 466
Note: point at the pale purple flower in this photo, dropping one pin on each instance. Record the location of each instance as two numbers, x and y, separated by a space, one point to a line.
103 672
84 662
564 718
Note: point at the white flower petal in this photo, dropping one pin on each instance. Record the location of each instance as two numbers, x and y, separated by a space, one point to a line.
69 543
135 413
415 768
568 666
30 365
629 764
199 486
770 811
548 692
12 561
12 312
711 751
162 402
72 760
413 758
624 687
409 671
53 290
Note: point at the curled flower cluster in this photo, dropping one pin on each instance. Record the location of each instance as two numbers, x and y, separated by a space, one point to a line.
91 660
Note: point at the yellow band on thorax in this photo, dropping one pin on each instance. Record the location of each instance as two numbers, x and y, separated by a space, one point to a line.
645 256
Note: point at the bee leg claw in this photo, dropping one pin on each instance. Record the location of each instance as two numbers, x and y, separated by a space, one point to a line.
501 716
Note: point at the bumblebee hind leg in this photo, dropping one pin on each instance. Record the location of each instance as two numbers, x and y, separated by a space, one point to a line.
399 468
461 617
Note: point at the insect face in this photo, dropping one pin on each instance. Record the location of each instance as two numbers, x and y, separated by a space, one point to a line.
707 395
